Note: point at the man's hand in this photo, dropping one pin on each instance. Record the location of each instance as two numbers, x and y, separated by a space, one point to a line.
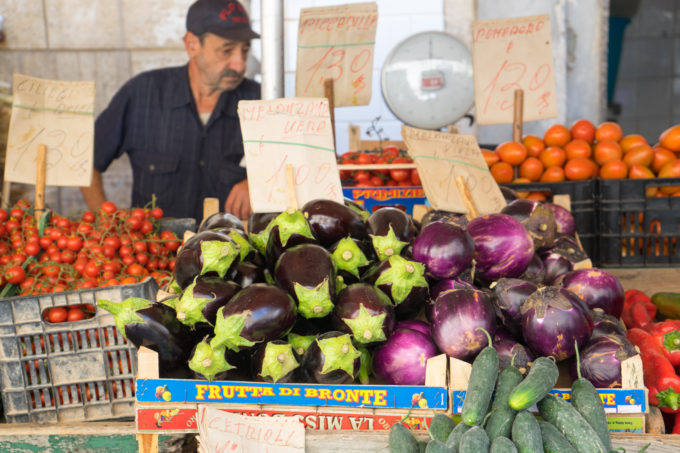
238 201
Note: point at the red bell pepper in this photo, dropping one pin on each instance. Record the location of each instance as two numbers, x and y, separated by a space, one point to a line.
667 336
638 309
676 425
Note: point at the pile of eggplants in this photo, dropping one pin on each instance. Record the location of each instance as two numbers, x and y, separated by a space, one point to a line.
331 293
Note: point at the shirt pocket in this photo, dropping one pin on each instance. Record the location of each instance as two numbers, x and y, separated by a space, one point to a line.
157 174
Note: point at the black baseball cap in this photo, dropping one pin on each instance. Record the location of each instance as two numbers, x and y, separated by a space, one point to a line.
225 18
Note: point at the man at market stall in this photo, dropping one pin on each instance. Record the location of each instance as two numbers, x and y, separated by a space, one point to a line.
179 126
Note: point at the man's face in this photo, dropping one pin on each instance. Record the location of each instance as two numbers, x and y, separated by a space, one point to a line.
221 62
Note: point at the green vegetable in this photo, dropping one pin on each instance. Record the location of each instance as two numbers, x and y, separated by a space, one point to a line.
401 440
422 446
480 388
539 381
474 440
441 426
667 304
526 434
571 424
502 445
553 440
436 446
502 415
453 441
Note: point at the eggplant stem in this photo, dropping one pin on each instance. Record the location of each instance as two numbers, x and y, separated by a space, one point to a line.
409 268
206 362
367 334
578 360
389 251
347 255
281 358
181 315
317 309
543 227
344 349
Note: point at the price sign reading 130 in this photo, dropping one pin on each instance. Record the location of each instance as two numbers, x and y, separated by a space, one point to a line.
509 55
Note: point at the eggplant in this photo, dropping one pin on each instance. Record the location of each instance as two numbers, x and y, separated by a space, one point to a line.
403 281
356 207
535 271
402 359
208 362
351 257
247 273
441 286
538 220
568 247
275 248
597 288
365 312
258 233
275 361
256 314
553 320
456 318
331 221
204 252
510 294
331 359
445 249
154 325
415 324
220 220
509 194
512 352
556 267
601 360
300 343
306 272
435 215
604 324
391 230
564 221
502 334
201 300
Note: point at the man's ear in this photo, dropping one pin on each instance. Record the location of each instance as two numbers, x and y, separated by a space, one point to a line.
191 43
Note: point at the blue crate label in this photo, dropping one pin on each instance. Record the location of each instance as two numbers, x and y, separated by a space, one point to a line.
373 197
377 396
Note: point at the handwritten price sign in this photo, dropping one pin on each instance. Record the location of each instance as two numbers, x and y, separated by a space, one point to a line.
441 158
513 54
59 115
336 43
294 131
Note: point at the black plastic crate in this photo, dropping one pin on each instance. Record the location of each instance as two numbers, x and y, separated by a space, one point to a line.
583 195
638 230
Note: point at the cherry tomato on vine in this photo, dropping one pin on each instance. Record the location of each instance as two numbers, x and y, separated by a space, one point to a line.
109 207
57 314
15 275
75 314
157 213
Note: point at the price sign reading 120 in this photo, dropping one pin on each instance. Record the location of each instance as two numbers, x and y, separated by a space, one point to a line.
336 43
508 55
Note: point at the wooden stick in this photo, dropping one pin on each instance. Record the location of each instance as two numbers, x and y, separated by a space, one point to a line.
467 198
40 175
210 206
290 186
4 203
518 116
354 138
330 94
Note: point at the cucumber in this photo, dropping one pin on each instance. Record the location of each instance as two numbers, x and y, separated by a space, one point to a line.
553 440
539 381
422 446
480 387
441 426
502 444
453 441
502 415
474 440
526 434
588 403
401 440
571 424
435 446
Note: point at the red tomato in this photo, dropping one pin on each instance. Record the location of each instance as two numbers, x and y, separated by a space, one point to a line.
91 269
109 207
362 176
400 175
377 181
88 216
15 275
415 177
32 249
135 269
3 215
157 213
139 213
75 314
147 227
16 213
74 243
364 159
390 152
57 314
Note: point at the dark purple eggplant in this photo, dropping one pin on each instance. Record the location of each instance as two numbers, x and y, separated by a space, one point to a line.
564 221
434 215
509 194
597 288
391 230
306 272
604 324
351 256
553 320
331 359
415 324
209 363
356 207
275 361
254 315
502 334
331 221
201 300
601 360
556 266
538 220
403 281
204 252
286 230
221 220
275 248
456 317
510 351
510 294
440 287
568 247
365 312
258 233
535 271
247 273
445 249
154 325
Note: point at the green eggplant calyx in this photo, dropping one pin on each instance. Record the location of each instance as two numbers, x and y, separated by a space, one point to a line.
671 341
259 240
669 398
174 287
349 257
125 312
300 343
209 361
387 245
291 222
228 331
314 302
365 365
339 284
189 308
339 354
402 276
279 360
218 256
170 301
366 328
242 242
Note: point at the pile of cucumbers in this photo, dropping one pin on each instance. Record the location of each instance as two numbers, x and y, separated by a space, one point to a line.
506 425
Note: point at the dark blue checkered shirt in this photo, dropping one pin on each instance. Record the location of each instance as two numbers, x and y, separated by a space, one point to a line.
153 118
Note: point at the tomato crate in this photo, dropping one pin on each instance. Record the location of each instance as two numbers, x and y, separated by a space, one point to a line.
69 371
584 207
638 228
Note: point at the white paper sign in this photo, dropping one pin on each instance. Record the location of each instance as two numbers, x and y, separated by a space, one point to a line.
294 131
226 432
511 54
59 115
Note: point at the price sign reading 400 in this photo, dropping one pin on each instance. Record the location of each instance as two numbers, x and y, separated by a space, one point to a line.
508 55
337 43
